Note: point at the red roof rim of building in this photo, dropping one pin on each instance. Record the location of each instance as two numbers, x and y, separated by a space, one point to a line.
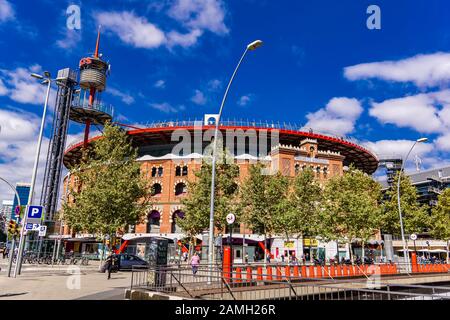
136 132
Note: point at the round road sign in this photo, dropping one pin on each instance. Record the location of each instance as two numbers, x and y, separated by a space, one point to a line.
231 218
413 236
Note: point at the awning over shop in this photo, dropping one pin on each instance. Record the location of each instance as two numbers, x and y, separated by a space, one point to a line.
57 236
170 236
83 240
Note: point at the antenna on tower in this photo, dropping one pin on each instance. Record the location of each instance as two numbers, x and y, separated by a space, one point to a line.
97 44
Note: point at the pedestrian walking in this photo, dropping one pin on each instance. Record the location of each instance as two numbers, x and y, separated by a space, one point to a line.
195 261
110 264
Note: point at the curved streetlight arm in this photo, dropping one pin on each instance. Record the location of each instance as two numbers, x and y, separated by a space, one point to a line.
213 176
405 254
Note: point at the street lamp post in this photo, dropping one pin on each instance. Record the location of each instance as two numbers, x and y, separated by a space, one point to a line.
47 80
252 46
405 254
11 253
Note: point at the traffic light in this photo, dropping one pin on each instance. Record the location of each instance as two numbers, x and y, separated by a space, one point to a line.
13 228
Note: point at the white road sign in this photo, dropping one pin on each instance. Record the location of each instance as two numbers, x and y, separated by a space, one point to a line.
413 236
231 218
42 231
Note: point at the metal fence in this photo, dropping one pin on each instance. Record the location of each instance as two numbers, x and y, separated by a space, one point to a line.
214 284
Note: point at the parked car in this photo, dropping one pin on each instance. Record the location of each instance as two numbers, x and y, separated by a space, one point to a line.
126 262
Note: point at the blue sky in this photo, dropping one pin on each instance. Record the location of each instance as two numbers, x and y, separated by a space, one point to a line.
320 66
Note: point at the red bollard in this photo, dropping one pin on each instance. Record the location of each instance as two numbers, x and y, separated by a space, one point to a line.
226 263
333 270
311 271
296 275
304 272
414 262
345 270
278 273
326 271
269 273
339 270
238 275
249 274
287 272
319 271
259 272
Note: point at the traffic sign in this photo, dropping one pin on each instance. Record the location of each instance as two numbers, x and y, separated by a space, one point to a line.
231 218
35 212
42 231
413 236
29 226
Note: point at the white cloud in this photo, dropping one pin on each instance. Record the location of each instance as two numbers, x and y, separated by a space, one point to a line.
424 70
164 107
23 88
443 142
245 100
18 140
195 16
184 40
198 98
398 148
70 40
337 117
200 14
214 84
3 89
6 11
126 98
161 84
131 29
417 112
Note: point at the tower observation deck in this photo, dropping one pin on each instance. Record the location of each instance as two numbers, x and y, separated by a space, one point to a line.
87 107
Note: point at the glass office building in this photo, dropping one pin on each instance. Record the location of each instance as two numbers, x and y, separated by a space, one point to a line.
23 189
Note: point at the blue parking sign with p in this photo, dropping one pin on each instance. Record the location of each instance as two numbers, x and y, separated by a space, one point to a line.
35 212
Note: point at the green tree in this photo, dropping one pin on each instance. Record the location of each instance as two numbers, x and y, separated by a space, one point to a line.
440 219
351 207
263 199
109 193
414 215
302 216
197 202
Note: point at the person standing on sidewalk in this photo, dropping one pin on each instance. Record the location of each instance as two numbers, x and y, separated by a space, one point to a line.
195 261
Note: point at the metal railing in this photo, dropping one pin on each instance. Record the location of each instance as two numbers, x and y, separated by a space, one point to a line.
239 123
97 105
232 286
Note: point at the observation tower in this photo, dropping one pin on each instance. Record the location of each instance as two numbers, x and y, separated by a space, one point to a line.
87 108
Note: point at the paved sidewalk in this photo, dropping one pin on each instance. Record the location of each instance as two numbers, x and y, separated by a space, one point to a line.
63 283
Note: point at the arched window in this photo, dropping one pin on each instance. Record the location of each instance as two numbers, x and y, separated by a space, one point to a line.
297 168
153 221
180 188
175 228
325 171
154 172
156 189
181 171
160 171
318 170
